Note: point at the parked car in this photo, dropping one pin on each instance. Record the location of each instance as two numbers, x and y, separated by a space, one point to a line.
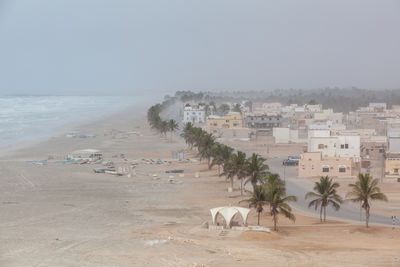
291 161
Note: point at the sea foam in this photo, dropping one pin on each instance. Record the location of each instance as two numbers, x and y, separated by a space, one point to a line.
26 118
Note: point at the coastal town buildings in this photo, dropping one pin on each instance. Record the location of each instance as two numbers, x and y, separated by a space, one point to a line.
392 164
232 120
262 121
194 114
314 164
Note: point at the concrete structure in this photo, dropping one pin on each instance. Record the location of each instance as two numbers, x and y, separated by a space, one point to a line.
194 114
319 133
394 141
228 213
229 121
392 164
372 151
262 121
312 164
285 135
363 133
336 146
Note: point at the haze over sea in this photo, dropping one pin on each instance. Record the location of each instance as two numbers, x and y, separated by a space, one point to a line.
26 118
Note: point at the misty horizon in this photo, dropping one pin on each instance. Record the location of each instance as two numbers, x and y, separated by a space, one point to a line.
98 47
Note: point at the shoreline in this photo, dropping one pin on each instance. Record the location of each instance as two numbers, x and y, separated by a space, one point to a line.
63 130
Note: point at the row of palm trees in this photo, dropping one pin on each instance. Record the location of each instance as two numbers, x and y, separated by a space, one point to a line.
234 164
158 124
363 191
268 188
272 192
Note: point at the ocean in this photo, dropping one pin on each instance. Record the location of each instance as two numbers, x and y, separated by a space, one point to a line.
26 118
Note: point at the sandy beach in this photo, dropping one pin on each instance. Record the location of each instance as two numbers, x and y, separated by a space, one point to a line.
66 215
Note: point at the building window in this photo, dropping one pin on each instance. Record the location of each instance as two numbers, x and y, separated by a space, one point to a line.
346 146
342 169
227 120
396 171
381 150
325 169
321 146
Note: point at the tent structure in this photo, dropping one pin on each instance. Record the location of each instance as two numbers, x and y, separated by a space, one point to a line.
228 213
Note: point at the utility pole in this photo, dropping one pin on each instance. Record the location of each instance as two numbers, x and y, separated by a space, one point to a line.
284 172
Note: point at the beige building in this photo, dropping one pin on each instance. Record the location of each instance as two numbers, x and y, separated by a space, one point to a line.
312 164
232 120
392 164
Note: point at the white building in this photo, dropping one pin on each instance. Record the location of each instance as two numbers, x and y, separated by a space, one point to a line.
394 141
194 114
336 146
285 135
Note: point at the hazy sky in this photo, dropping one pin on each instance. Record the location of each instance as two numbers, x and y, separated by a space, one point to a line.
107 46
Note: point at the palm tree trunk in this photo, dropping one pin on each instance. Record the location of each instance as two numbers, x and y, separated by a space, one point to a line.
209 163
258 218
241 187
320 214
232 183
324 213
366 216
219 171
275 219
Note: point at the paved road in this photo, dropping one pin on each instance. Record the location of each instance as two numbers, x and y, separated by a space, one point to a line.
299 187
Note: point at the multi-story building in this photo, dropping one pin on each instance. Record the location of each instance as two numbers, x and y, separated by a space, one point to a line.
392 164
394 140
194 114
313 164
336 146
262 121
231 120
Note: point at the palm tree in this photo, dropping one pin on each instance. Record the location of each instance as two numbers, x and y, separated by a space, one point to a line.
172 126
205 147
277 200
221 155
365 190
256 169
257 200
272 178
325 194
187 133
163 128
239 165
